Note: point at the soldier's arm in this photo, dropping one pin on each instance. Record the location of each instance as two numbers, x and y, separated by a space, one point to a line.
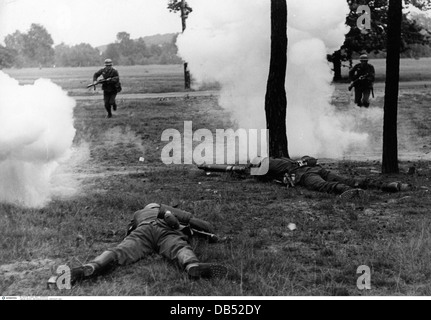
182 216
97 74
115 77
372 74
352 73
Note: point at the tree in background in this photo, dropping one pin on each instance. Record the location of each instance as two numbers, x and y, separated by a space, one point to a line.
34 48
38 46
390 138
276 99
394 45
15 42
7 57
81 55
182 7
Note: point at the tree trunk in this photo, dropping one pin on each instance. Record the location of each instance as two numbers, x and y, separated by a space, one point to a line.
336 60
390 139
187 80
276 100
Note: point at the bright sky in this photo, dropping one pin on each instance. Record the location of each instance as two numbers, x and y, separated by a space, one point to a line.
96 22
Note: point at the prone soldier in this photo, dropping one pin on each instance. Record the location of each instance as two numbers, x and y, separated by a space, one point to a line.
156 228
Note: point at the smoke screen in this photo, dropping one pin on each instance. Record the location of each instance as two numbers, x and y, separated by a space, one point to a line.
229 42
36 136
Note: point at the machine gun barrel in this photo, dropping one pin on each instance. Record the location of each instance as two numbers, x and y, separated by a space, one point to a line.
222 168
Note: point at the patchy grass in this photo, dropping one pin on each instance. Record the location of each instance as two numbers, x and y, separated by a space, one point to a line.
392 236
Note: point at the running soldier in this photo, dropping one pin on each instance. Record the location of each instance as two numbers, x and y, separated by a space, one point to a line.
362 76
110 85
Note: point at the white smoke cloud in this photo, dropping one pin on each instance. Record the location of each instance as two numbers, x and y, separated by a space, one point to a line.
229 42
36 135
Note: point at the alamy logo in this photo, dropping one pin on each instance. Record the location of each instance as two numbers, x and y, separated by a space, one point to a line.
224 147
364 281
63 280
364 21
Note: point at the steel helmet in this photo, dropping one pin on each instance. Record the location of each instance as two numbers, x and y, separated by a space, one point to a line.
108 62
363 57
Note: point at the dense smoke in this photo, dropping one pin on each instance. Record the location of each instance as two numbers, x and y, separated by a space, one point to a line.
36 135
229 42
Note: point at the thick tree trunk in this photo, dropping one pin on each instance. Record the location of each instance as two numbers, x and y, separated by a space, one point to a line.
390 138
187 80
276 100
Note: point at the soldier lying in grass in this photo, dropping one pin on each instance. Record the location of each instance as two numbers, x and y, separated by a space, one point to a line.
306 172
161 229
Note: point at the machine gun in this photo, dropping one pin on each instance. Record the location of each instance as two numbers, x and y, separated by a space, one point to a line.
357 81
98 82
223 168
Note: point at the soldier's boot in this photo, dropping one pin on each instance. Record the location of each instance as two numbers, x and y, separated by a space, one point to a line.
341 188
195 270
98 266
395 187
206 270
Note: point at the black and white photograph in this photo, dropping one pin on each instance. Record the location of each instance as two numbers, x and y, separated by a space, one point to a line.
215 154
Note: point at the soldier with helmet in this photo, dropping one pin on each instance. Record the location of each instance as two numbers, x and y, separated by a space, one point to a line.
362 76
110 85
161 229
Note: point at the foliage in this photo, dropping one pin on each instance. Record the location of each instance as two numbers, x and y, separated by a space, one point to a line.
414 35
6 57
176 6
34 48
126 51
81 55
375 39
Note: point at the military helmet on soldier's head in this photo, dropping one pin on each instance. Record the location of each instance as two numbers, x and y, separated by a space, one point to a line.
108 62
363 57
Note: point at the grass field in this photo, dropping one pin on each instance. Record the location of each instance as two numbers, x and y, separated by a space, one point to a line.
392 236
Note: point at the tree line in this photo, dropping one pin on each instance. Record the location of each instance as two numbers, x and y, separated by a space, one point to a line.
35 48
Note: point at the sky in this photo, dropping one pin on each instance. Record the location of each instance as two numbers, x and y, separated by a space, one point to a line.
96 22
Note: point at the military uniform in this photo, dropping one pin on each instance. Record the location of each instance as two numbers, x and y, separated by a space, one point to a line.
314 177
158 229
149 232
110 87
363 76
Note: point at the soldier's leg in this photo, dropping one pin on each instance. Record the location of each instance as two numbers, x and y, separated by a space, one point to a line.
136 246
133 248
366 97
315 180
358 96
174 246
106 99
365 183
333 177
112 101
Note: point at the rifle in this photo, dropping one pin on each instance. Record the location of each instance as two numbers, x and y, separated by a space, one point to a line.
211 237
355 83
222 168
98 82
362 78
